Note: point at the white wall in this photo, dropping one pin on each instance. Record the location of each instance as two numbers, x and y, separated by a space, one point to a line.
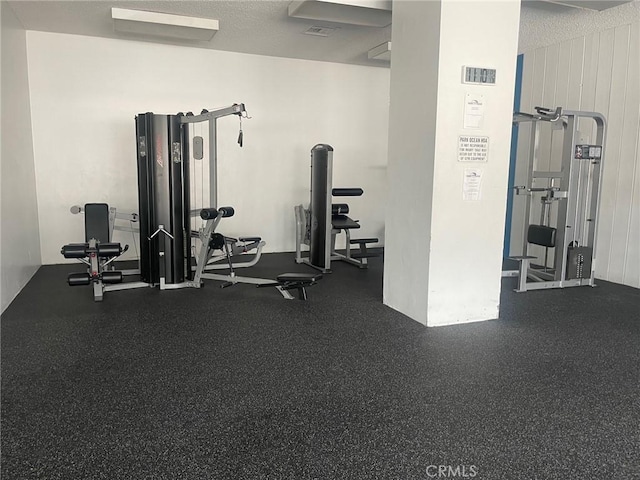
412 125
469 234
86 91
597 72
454 276
20 239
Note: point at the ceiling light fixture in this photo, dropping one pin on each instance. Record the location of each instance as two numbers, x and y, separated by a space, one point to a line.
589 4
368 13
164 24
319 31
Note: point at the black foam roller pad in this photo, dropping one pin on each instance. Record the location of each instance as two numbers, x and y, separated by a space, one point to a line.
208 213
75 250
347 192
109 249
75 279
227 211
111 277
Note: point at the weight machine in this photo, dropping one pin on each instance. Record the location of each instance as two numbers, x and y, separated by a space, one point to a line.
165 159
319 225
174 251
98 252
212 241
114 216
561 201
169 147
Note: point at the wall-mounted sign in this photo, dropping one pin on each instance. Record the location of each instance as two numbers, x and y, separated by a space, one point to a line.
473 111
473 148
472 184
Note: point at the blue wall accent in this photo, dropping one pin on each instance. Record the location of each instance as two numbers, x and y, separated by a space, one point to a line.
512 162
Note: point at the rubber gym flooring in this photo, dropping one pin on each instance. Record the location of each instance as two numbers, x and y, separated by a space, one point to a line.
239 383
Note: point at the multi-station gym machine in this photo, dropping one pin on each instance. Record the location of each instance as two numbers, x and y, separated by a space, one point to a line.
179 245
561 197
166 165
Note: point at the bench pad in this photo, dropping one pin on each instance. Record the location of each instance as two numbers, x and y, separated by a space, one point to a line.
306 278
342 222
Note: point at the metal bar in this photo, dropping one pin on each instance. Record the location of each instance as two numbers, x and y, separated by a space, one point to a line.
235 109
301 226
250 263
201 259
533 146
126 286
557 284
213 163
522 275
601 128
565 209
541 174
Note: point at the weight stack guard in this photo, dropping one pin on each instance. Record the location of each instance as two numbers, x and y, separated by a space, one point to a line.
163 197
320 206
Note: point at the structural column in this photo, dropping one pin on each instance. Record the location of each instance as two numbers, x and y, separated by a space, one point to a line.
449 141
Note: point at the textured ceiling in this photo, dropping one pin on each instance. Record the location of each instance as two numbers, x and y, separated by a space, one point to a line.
263 27
543 25
257 27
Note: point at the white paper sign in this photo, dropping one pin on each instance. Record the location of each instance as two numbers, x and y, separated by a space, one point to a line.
473 148
473 110
472 185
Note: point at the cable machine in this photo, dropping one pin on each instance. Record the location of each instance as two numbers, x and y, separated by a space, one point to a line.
174 251
164 196
561 201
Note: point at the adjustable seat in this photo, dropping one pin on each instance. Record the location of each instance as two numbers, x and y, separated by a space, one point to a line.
536 235
97 252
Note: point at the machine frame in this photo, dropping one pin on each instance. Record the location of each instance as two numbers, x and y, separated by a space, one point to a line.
575 192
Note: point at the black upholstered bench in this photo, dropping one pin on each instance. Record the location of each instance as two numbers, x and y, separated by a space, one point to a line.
298 281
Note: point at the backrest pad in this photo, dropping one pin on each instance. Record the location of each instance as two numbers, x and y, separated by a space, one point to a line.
96 222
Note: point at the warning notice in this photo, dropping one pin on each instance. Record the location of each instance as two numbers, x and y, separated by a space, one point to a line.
473 148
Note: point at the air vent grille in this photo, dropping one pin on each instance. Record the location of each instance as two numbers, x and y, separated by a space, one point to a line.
320 31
